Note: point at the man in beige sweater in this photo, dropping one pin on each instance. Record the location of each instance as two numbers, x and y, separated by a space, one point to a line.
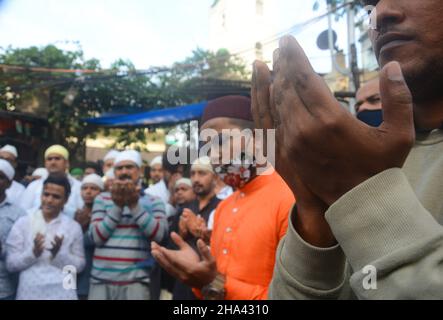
367 223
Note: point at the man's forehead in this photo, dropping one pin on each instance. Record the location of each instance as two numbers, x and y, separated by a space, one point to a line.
125 163
368 89
219 124
199 171
54 155
6 154
182 186
90 185
54 188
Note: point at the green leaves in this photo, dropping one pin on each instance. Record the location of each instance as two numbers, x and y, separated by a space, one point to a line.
71 96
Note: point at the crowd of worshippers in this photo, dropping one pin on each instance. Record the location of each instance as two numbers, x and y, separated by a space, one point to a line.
103 226
351 208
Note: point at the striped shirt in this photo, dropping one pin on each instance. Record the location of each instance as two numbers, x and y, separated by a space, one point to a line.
123 237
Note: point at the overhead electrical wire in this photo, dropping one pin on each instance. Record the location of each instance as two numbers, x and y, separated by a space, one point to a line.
153 70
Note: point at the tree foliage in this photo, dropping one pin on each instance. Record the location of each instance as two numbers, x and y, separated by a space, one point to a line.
75 95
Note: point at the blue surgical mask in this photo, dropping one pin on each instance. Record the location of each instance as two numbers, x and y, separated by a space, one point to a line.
373 118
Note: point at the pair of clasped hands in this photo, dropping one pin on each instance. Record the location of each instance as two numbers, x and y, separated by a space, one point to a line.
39 245
192 224
124 192
322 150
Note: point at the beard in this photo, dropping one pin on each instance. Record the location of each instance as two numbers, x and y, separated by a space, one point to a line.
201 191
425 82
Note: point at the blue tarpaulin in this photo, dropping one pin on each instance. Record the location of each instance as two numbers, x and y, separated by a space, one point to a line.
167 116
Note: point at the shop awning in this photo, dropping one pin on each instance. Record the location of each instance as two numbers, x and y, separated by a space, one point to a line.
166 116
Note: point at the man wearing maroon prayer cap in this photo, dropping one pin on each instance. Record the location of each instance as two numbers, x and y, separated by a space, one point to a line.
247 227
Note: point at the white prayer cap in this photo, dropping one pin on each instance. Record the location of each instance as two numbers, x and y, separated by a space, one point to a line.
185 181
110 174
10 149
112 154
94 179
7 169
202 163
41 172
129 155
156 160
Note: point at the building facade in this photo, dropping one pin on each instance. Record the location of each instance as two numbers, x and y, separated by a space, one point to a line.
244 28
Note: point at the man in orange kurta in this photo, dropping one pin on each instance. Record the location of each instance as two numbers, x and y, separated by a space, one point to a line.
247 227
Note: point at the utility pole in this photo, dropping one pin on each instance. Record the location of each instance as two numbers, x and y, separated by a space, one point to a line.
332 48
351 41
352 71
354 75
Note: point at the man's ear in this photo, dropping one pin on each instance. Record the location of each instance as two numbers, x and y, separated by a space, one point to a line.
8 184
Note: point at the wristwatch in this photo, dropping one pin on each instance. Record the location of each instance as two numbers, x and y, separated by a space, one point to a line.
216 289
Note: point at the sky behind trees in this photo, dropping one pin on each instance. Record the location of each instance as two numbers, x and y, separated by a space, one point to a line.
147 32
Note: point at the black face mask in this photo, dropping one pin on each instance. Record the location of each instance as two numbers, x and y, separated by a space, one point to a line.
373 118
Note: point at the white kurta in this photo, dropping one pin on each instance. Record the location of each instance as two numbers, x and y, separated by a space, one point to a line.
225 192
31 197
43 278
15 192
160 190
